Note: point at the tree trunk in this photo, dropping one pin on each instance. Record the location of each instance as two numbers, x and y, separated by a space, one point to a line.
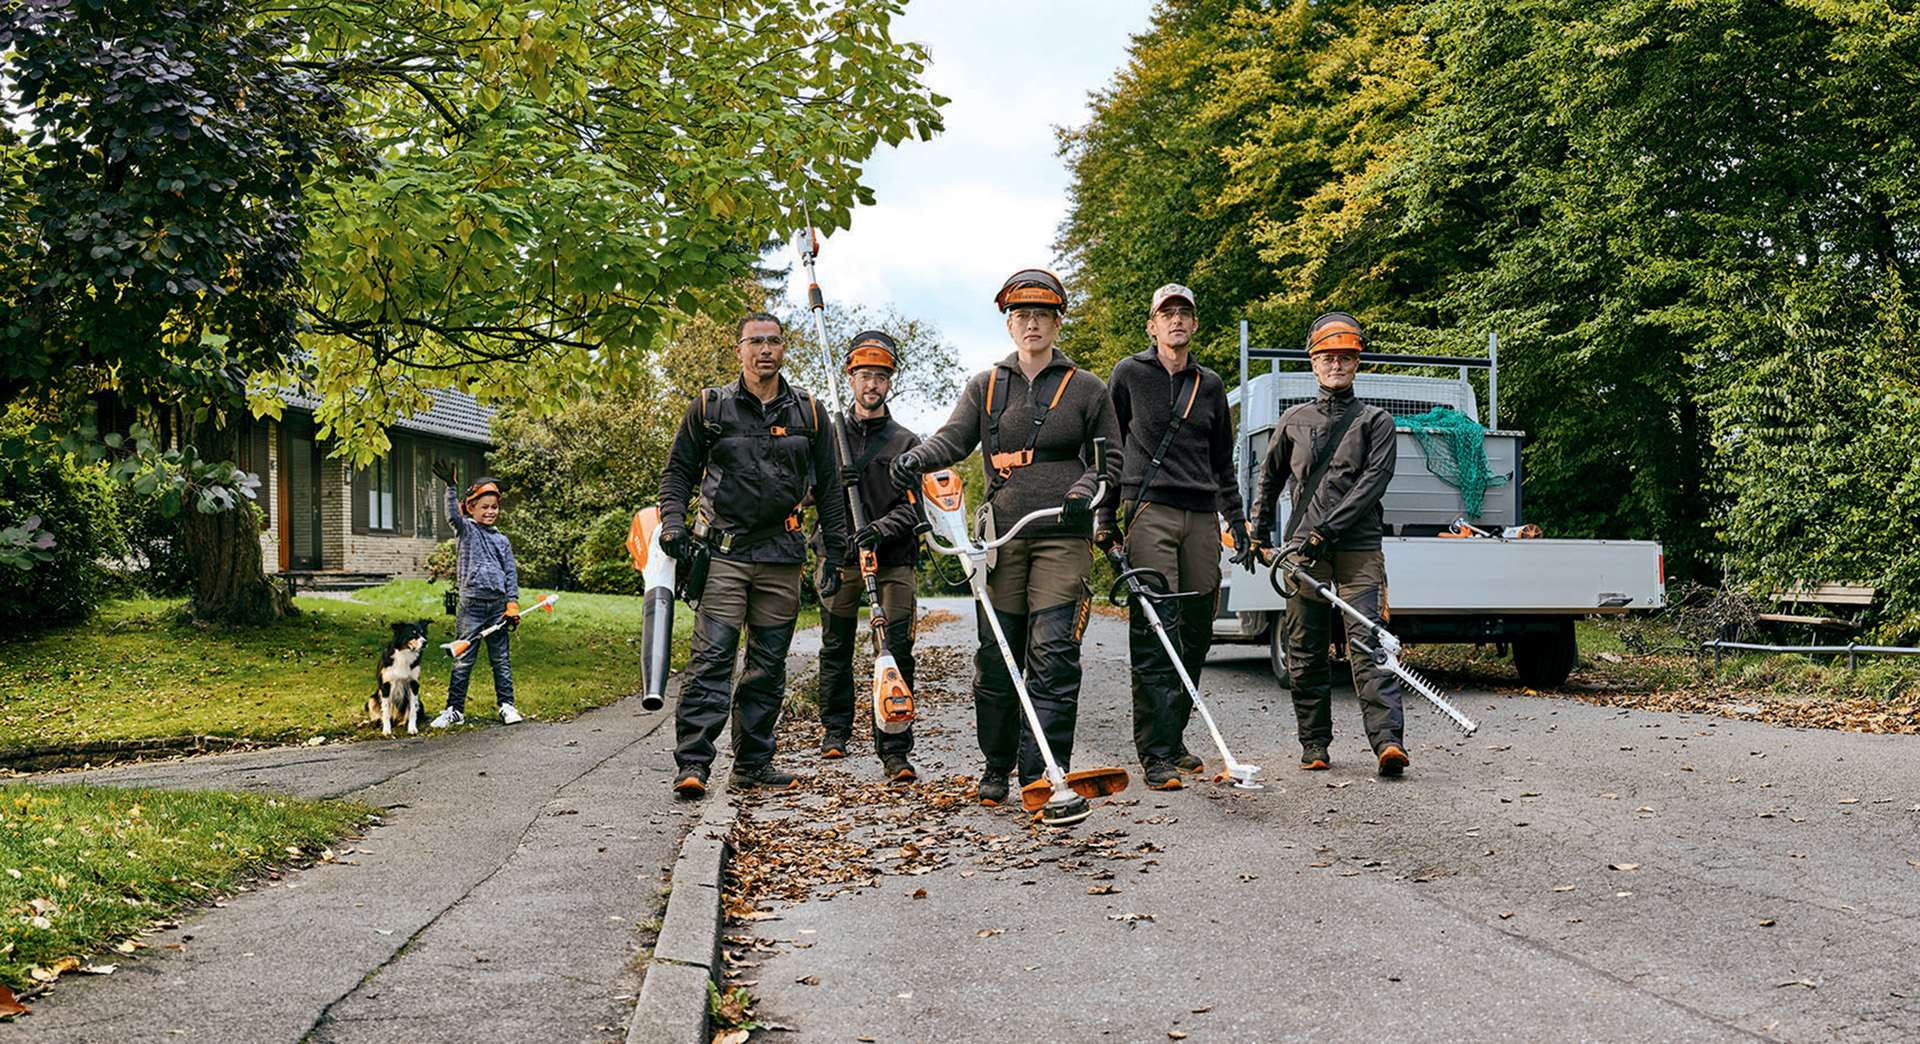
230 585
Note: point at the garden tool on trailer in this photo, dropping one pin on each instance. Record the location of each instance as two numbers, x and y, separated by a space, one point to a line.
459 647
658 572
892 703
1148 587
1059 797
1385 648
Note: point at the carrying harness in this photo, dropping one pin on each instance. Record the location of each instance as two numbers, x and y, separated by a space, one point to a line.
803 420
1166 441
1002 464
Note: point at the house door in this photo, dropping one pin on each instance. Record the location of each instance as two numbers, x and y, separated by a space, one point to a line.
303 498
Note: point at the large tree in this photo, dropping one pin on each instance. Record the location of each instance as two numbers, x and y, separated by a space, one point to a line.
512 198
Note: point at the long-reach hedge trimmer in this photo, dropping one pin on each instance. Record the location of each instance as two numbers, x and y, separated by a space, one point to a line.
459 646
1059 797
1385 648
1149 587
892 703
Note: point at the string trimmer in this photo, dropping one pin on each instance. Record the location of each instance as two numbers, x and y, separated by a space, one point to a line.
1059 797
1148 587
1385 649
460 646
892 703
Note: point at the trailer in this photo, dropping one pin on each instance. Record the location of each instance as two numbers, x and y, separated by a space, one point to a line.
1490 579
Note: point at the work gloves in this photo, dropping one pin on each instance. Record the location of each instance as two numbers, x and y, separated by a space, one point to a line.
905 470
512 616
869 536
1076 511
673 540
849 475
827 580
1318 547
1243 545
1106 531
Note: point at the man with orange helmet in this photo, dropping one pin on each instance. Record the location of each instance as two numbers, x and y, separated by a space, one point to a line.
1034 416
874 439
1334 456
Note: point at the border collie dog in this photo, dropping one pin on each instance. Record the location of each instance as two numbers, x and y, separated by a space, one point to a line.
396 684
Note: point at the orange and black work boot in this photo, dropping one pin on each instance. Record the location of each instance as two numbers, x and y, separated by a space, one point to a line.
993 788
898 769
1313 757
1393 760
834 745
1161 775
691 782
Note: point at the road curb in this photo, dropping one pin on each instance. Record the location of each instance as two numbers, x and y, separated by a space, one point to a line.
673 998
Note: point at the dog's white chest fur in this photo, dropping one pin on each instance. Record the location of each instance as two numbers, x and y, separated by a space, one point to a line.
405 666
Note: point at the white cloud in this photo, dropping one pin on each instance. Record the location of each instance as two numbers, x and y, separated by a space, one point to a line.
955 216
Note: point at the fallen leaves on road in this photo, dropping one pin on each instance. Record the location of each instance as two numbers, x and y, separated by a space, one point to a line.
10 1007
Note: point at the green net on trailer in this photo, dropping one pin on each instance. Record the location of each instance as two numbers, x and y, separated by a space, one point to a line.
1455 446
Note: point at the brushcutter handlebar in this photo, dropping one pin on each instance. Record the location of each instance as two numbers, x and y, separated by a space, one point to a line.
1046 514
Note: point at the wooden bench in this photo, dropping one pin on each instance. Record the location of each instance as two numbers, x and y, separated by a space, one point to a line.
1826 593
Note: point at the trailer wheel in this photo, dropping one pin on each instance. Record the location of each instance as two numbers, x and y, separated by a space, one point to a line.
1545 659
1277 650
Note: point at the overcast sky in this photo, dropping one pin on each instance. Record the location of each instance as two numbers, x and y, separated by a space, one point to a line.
955 216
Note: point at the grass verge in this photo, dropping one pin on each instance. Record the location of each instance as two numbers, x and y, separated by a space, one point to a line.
138 671
84 870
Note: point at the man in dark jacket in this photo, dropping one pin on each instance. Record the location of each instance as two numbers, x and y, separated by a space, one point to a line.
874 439
1178 481
1335 457
753 451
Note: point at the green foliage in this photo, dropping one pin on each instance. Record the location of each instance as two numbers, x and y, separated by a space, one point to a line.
70 522
562 184
606 567
89 867
731 1009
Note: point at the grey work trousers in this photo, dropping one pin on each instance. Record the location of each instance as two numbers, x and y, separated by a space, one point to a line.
1360 579
763 599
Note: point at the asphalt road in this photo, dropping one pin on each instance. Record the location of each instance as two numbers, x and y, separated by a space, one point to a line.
1569 873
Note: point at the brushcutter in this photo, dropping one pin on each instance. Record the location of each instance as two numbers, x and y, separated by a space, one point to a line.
1059 797
658 572
460 646
1385 649
1149 587
892 703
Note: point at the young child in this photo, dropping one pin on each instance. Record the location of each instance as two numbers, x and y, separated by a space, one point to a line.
489 593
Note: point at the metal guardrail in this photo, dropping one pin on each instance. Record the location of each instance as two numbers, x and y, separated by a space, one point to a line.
1852 649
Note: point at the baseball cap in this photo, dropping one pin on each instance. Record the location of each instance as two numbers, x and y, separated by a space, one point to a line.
1171 290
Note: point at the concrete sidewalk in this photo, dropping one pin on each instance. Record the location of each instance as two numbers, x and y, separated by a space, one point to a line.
517 873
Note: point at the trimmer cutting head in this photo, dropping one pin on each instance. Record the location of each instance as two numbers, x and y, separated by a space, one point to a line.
1242 777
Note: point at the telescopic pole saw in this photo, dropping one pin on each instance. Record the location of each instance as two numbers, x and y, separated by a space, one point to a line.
892 702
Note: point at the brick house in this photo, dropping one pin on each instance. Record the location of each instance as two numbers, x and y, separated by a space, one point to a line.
327 522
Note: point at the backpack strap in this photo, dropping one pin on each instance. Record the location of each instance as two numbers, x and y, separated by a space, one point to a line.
1153 463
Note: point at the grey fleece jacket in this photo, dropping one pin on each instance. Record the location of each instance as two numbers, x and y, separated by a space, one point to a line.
486 567
1347 504
1084 412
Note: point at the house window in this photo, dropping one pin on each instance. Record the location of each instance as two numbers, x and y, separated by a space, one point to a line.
378 487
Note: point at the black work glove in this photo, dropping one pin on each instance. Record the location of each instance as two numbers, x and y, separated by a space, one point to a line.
1243 545
1318 546
443 471
869 536
905 470
827 581
673 540
849 475
1106 531
1076 510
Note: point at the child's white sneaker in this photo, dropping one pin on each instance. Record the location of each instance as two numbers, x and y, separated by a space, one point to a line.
509 716
449 718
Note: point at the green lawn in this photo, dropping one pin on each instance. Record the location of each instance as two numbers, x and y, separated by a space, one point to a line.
137 671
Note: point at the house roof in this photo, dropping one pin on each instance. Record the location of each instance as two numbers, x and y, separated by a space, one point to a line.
453 415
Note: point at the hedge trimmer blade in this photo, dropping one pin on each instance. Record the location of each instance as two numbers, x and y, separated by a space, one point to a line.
1425 688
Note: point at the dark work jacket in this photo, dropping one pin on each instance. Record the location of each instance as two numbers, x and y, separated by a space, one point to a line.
885 507
753 464
1347 504
1197 472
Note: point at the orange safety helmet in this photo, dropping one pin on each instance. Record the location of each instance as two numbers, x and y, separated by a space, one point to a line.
1335 332
481 487
1032 288
873 349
